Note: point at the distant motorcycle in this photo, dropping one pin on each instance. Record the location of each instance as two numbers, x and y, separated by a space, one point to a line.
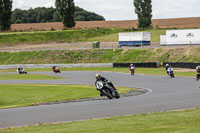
107 90
21 71
56 69
198 77
170 72
132 71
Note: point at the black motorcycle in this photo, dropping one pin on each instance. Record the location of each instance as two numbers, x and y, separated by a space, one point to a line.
23 72
107 89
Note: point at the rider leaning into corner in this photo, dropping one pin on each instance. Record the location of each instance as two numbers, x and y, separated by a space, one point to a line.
100 78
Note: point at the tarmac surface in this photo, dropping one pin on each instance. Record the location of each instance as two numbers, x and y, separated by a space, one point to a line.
163 94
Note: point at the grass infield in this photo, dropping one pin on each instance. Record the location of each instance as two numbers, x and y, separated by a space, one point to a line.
187 121
27 77
19 95
146 71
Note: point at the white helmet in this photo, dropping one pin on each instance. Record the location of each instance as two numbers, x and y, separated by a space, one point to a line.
198 67
167 65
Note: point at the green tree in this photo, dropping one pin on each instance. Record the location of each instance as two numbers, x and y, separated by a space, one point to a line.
143 9
43 14
66 9
5 14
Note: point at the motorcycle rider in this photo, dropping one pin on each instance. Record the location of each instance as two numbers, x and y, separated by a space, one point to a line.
100 78
20 70
56 69
166 68
198 72
132 69
170 71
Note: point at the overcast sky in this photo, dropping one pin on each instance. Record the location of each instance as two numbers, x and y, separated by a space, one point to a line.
124 9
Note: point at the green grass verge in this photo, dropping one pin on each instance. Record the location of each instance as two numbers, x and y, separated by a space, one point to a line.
31 94
146 71
166 122
27 77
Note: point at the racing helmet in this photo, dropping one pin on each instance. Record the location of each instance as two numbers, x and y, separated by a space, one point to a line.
131 64
98 76
167 65
198 68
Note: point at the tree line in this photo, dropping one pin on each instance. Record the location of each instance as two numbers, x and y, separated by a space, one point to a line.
42 14
67 12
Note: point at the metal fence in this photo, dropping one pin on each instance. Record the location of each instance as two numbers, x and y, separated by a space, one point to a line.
182 64
140 65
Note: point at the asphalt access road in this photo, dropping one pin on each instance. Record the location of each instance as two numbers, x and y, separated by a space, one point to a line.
164 94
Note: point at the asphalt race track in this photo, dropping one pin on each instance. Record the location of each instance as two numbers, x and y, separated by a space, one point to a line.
164 94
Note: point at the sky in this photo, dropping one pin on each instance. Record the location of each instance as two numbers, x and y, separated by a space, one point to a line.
124 9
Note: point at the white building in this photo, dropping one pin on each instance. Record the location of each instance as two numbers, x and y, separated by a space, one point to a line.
134 39
180 37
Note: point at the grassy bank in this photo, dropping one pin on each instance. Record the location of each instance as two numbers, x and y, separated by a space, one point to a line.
30 94
186 54
166 122
86 35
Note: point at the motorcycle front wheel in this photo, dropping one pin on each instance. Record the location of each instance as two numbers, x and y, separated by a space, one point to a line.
107 93
116 95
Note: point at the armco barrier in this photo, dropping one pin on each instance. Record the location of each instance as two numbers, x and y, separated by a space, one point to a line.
51 65
182 64
145 65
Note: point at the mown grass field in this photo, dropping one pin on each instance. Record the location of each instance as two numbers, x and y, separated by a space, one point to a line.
187 121
53 36
27 77
20 95
87 35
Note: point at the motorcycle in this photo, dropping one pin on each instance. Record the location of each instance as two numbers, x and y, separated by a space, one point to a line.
132 71
107 90
170 72
21 71
56 70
